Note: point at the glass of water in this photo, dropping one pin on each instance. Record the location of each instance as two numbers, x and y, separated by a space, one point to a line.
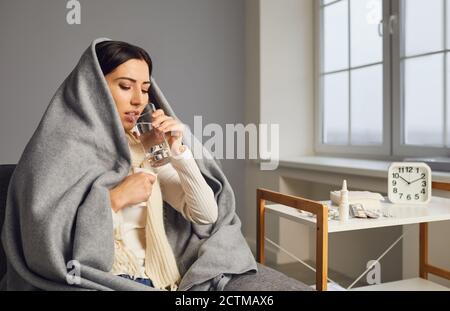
157 150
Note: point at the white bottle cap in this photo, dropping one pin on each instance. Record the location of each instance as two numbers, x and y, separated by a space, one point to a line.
344 185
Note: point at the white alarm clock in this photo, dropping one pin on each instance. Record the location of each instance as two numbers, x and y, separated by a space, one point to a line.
409 182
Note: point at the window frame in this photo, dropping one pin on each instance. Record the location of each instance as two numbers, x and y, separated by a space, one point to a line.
393 147
400 149
350 150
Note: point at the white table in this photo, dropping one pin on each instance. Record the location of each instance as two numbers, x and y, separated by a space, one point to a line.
293 208
437 210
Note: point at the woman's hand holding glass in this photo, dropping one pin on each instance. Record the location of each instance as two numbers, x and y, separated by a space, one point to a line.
171 128
160 135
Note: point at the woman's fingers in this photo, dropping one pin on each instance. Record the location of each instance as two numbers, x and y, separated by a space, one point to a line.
160 119
169 125
157 113
165 123
150 177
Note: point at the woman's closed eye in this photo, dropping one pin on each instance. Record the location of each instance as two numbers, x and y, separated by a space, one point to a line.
126 88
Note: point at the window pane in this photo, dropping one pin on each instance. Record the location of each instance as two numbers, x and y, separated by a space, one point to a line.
424 100
366 43
367 105
335 36
325 2
336 108
424 26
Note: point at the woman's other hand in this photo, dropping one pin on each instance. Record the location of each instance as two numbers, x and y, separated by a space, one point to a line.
134 189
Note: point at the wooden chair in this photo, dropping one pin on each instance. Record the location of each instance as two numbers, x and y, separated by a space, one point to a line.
425 268
316 208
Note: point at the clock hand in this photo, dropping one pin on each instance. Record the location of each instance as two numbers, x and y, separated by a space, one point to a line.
405 180
417 180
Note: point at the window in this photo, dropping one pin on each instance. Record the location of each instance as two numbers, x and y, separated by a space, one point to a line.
351 76
383 77
422 54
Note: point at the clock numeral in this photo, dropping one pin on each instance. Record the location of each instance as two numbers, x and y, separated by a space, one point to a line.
395 190
395 175
424 183
394 183
408 197
405 169
401 195
423 175
423 191
417 196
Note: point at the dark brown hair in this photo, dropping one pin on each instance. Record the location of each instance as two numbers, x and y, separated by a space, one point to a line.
112 54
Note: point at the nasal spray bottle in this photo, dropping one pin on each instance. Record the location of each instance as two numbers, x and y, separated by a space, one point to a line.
344 205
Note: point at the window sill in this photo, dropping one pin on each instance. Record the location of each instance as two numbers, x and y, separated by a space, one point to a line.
359 167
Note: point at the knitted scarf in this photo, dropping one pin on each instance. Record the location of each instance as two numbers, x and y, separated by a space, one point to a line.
160 263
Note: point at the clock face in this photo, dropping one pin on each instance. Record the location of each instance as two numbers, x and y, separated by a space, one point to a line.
409 183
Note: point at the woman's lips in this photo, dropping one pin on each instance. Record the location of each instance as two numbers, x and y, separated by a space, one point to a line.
130 117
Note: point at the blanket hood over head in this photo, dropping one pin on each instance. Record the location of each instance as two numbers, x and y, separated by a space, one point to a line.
58 229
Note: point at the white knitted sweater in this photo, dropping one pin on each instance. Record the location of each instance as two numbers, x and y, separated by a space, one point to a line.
141 245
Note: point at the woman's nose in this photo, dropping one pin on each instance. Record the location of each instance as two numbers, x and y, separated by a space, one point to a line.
138 98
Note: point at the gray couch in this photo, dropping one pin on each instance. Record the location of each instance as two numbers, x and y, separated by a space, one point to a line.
5 175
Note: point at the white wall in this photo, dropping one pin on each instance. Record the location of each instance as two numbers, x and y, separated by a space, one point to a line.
279 87
287 71
197 47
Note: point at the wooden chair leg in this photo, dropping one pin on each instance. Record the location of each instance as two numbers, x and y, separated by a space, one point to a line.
423 250
322 251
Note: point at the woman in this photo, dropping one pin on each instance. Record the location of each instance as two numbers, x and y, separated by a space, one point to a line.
84 211
142 251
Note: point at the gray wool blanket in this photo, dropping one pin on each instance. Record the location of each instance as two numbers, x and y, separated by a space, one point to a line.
58 230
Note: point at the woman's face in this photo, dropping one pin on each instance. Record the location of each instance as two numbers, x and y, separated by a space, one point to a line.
129 84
